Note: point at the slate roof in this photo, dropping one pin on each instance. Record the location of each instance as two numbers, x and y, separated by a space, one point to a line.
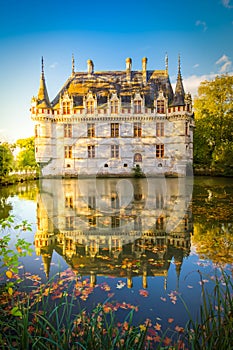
104 83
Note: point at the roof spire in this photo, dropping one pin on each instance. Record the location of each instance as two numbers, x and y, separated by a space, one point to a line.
179 64
73 65
179 92
42 67
166 63
43 98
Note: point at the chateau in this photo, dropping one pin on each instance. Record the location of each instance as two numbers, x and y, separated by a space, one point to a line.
109 123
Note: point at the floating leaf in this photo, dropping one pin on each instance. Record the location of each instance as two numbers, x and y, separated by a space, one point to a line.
144 293
9 274
120 285
10 291
179 329
170 320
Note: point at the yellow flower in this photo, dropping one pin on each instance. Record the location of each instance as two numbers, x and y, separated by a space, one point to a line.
142 327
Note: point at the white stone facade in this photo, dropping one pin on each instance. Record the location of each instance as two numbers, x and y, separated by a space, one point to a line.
109 123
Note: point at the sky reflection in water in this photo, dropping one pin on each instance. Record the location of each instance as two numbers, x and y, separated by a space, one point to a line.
132 242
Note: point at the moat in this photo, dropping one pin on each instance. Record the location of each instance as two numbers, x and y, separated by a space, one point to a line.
131 243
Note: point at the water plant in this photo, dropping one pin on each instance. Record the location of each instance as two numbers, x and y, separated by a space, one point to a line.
213 329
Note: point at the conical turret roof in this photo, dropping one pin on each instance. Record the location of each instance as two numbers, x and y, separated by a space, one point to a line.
179 96
43 98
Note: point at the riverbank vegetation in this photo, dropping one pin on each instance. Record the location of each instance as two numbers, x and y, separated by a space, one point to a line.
213 134
48 316
17 161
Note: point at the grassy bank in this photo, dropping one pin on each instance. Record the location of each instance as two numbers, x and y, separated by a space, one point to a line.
202 170
12 179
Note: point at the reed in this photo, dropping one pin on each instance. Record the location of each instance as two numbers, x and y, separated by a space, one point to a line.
213 330
58 328
42 324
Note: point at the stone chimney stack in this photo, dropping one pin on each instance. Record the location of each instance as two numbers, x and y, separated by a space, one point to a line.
90 67
144 68
128 62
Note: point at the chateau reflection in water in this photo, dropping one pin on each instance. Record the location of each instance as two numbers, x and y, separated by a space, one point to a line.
117 227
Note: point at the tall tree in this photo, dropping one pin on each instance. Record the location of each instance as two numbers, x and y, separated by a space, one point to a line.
6 159
26 156
213 137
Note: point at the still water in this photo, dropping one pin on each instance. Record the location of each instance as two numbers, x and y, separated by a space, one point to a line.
131 243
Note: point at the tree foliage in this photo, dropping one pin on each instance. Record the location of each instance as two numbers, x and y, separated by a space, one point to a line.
213 137
6 159
9 256
26 156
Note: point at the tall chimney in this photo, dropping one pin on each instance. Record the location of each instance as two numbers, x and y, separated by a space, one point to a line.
144 68
90 67
128 62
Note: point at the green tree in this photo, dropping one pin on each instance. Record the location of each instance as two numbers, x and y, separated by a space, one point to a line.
6 159
26 156
213 137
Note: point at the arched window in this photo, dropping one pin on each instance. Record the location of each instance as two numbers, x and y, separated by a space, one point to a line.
137 158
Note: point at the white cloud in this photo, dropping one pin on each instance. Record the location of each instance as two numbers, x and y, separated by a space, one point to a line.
53 65
192 82
225 63
201 24
196 65
226 3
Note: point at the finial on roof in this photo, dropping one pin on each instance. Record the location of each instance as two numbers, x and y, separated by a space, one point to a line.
166 63
43 98
179 65
178 99
73 64
42 66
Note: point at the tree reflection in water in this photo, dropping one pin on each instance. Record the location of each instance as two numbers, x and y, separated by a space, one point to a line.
139 242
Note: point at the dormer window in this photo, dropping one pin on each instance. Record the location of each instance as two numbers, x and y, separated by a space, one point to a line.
90 107
66 107
137 106
114 107
160 106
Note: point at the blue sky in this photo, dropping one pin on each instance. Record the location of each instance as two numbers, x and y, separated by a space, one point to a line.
107 32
